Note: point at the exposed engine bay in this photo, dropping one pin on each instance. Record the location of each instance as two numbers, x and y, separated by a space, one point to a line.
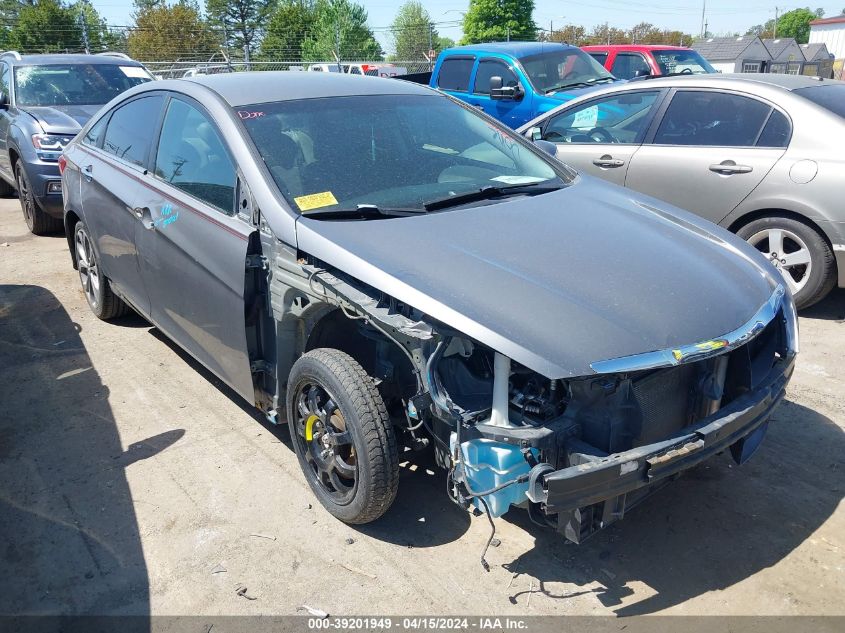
575 452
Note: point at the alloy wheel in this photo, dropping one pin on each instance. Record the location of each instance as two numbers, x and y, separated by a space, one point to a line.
788 253
89 273
326 443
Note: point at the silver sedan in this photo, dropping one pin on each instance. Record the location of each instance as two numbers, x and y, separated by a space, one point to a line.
761 155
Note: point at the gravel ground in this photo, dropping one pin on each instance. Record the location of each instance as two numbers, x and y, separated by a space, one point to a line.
132 481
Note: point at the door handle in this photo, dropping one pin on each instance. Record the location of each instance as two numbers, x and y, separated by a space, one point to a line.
143 214
608 161
728 167
88 172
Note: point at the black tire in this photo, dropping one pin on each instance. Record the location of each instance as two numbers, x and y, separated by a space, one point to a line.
348 407
101 299
37 220
821 277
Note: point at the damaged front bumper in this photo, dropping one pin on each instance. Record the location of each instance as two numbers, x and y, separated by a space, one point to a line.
581 499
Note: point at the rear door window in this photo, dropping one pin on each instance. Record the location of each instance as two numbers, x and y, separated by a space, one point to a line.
711 118
454 74
128 134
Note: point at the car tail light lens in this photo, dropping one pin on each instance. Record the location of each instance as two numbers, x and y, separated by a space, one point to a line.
62 164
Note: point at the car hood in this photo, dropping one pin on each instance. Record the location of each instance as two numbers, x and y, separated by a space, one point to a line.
59 119
558 281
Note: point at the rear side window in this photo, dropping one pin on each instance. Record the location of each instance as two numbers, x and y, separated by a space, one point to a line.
712 119
192 157
830 97
601 58
454 74
626 65
488 69
777 131
128 132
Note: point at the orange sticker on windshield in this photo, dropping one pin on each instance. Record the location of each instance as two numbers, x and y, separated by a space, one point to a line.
315 201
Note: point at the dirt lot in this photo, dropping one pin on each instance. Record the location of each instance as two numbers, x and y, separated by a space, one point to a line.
129 478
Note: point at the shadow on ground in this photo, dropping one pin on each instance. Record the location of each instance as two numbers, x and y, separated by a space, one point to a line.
716 526
421 516
831 308
70 539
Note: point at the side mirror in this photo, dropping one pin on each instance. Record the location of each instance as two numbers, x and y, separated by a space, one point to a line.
498 92
642 72
534 133
548 147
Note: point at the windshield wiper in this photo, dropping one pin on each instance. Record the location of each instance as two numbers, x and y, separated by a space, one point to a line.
486 193
361 212
574 84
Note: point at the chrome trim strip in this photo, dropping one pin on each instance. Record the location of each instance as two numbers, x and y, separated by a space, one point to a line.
701 350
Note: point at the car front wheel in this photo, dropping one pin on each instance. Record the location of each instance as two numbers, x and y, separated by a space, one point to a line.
798 252
103 302
37 220
342 436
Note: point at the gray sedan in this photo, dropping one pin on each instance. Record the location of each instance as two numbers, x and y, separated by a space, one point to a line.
380 266
761 155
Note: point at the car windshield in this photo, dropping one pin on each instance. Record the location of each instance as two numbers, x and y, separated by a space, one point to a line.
554 70
673 62
389 151
831 97
74 84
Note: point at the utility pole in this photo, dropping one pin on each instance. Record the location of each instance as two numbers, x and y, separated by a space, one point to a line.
84 25
607 32
337 45
246 57
775 34
509 33
430 45
703 22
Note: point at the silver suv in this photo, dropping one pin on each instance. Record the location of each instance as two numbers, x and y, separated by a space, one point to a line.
44 101
761 155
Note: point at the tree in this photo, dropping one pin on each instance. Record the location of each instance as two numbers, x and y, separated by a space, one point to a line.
287 28
764 31
492 20
241 20
796 24
100 38
340 32
45 27
604 34
413 32
170 33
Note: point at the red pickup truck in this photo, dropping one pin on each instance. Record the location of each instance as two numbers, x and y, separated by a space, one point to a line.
627 61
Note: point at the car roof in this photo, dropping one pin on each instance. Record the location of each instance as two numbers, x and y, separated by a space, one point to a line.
516 49
635 47
62 58
244 88
786 82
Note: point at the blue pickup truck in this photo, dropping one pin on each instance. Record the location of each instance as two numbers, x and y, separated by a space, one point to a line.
517 81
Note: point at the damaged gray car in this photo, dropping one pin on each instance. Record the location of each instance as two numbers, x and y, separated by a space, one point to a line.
384 268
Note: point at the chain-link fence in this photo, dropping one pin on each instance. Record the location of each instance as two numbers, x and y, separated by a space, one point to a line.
178 69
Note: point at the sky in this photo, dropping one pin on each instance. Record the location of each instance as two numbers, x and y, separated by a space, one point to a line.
723 16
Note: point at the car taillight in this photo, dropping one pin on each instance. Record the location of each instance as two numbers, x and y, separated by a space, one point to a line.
62 164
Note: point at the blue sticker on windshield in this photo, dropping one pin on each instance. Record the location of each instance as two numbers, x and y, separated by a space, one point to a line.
168 216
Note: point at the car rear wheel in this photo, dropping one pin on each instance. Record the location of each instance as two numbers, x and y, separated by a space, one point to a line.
97 289
798 252
39 223
342 436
